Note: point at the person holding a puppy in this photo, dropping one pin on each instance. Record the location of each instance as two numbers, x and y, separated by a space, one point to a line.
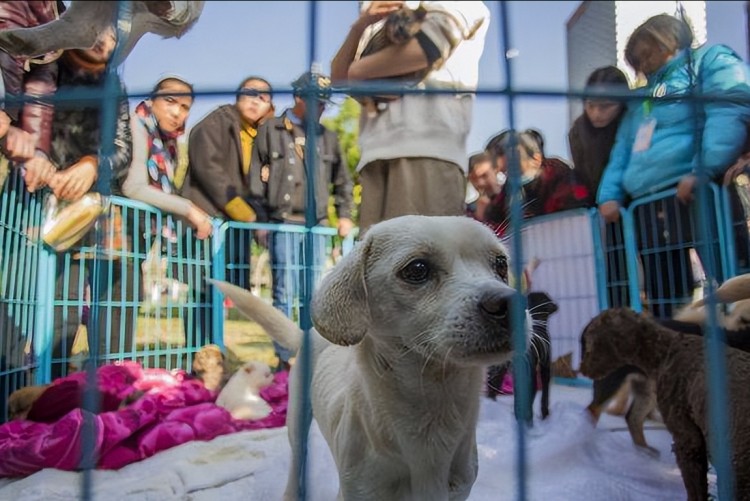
414 146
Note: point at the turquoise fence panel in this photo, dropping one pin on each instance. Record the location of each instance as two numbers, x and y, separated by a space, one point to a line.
21 291
257 255
152 307
664 243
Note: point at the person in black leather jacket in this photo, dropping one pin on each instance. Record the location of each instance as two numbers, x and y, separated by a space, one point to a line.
279 160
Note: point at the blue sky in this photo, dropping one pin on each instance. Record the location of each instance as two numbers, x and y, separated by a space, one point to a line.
235 39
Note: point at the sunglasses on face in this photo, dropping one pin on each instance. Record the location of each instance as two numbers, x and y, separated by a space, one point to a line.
257 94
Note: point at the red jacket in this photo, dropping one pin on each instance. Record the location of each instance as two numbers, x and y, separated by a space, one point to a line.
556 188
40 79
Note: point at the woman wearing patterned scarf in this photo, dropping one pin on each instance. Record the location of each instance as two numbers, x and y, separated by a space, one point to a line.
154 177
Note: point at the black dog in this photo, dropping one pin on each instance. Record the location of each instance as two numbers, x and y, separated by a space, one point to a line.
541 306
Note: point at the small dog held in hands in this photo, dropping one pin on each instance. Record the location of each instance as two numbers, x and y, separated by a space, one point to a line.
405 325
241 395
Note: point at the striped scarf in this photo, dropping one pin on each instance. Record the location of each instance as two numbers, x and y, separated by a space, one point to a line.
162 150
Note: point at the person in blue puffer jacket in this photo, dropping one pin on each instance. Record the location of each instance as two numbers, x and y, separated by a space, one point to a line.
657 146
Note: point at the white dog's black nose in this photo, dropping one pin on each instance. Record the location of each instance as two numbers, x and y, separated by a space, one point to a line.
496 303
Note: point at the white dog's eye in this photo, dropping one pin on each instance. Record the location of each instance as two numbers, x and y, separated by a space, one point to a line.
415 272
501 266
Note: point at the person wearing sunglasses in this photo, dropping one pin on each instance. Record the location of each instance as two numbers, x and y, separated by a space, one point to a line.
220 150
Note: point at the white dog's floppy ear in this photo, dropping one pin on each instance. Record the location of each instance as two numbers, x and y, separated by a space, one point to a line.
339 307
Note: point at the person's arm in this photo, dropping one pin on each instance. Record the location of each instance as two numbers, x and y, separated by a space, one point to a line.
210 152
36 118
123 154
342 188
441 32
137 185
610 187
41 80
724 74
343 59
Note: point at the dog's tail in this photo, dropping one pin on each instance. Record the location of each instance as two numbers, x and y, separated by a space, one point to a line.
276 324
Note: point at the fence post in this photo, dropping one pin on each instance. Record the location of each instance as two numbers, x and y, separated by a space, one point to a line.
631 258
218 263
44 314
726 231
600 267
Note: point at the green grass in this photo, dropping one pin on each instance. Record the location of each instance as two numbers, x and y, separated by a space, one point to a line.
244 340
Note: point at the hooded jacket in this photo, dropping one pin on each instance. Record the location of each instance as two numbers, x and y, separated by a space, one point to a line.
672 151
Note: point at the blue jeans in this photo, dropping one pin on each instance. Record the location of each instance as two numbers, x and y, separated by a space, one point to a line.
288 273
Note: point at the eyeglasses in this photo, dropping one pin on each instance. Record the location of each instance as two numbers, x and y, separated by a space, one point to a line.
264 96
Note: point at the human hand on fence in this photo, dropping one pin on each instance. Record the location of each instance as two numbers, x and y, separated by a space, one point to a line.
685 188
610 211
38 172
200 221
75 181
20 145
345 226
736 169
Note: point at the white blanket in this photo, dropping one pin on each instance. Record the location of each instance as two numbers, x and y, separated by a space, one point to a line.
567 459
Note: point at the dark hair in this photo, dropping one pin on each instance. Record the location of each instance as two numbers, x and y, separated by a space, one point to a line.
538 137
171 78
611 75
668 32
253 78
531 140
478 158
605 78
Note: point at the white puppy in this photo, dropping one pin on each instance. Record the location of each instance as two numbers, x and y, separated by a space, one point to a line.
406 324
241 395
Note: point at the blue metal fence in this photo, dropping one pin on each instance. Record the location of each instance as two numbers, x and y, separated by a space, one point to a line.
22 273
156 307
155 276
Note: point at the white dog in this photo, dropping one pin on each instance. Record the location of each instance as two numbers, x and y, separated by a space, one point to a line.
406 324
241 395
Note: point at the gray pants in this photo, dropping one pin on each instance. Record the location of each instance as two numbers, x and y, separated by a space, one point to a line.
403 186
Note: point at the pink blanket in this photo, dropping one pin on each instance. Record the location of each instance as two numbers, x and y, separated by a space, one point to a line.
174 409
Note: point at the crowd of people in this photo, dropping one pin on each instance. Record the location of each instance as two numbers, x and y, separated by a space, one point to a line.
628 144
247 161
